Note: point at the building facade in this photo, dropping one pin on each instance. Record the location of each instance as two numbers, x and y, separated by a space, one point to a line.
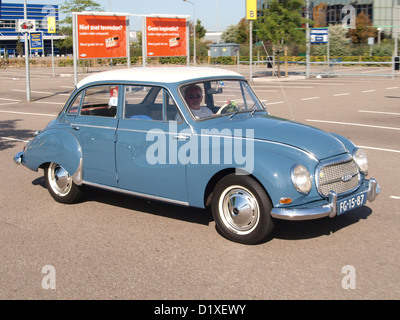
329 12
11 39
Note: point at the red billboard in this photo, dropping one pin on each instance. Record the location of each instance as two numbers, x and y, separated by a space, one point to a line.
166 37
101 36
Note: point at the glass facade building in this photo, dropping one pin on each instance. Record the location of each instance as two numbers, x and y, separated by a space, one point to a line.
10 13
327 12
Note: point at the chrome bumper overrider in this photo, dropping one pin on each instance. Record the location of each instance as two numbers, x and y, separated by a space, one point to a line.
327 210
18 158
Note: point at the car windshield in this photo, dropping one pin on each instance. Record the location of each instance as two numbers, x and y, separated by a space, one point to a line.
209 99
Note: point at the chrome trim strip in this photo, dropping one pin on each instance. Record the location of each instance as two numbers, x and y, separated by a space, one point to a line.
137 194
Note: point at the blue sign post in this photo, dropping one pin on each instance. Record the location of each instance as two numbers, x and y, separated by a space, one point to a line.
36 41
319 36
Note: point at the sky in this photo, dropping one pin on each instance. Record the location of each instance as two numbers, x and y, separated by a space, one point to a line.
215 15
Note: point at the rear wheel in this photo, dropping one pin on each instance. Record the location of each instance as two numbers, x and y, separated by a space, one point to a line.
60 184
241 209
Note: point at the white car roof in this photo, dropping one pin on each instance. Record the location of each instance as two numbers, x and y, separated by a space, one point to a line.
158 74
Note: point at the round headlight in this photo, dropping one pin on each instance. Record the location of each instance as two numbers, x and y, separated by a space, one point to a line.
301 179
361 159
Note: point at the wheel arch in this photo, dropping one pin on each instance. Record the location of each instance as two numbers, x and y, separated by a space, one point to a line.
220 175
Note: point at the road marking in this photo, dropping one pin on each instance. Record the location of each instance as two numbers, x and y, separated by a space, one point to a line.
380 149
277 102
381 112
47 102
44 92
365 91
12 139
8 103
353 124
341 94
391 88
30 113
10 99
310 98
395 197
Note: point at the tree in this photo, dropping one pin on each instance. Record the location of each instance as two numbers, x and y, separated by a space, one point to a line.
363 29
200 30
67 8
281 22
237 33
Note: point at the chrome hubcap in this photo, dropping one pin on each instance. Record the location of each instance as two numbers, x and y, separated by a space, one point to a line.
239 210
60 180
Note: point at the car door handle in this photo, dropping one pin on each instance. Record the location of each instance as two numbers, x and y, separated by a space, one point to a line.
181 137
74 127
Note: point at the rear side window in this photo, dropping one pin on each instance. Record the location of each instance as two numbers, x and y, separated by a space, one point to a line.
101 101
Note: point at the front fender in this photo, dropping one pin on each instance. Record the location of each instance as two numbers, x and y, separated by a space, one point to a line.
53 145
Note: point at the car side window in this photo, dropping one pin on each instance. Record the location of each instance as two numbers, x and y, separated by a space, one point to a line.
143 102
74 106
101 101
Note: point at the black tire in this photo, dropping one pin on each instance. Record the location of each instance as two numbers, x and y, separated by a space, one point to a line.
60 185
241 209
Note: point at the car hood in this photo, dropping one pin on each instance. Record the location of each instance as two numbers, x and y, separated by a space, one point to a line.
318 142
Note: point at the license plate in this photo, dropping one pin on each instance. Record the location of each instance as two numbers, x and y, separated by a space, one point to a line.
352 202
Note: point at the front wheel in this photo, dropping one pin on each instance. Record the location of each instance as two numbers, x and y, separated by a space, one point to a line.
241 209
60 184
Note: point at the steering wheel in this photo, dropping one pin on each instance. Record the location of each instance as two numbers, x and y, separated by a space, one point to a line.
229 107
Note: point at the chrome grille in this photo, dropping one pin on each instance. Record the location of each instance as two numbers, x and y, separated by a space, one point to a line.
340 177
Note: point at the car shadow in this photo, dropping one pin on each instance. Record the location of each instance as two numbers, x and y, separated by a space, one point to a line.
10 136
284 229
189 214
307 229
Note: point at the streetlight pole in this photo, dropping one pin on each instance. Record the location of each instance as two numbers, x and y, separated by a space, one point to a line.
194 27
27 75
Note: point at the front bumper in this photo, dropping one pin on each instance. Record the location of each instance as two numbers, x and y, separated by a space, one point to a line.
326 210
18 158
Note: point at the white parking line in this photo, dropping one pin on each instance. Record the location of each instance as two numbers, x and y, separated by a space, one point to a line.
391 88
341 94
354 124
395 197
10 99
381 112
310 98
44 92
365 91
48 102
12 139
380 149
277 102
29 113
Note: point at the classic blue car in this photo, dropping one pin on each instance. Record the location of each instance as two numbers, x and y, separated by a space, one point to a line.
197 137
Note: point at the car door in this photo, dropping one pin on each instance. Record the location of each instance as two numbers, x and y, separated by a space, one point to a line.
148 139
95 129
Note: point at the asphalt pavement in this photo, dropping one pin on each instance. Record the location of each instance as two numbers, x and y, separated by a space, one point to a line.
113 246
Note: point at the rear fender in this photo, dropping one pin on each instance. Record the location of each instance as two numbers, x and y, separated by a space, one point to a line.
58 146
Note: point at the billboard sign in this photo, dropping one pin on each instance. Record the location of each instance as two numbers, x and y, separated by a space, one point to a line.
166 37
36 41
101 36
